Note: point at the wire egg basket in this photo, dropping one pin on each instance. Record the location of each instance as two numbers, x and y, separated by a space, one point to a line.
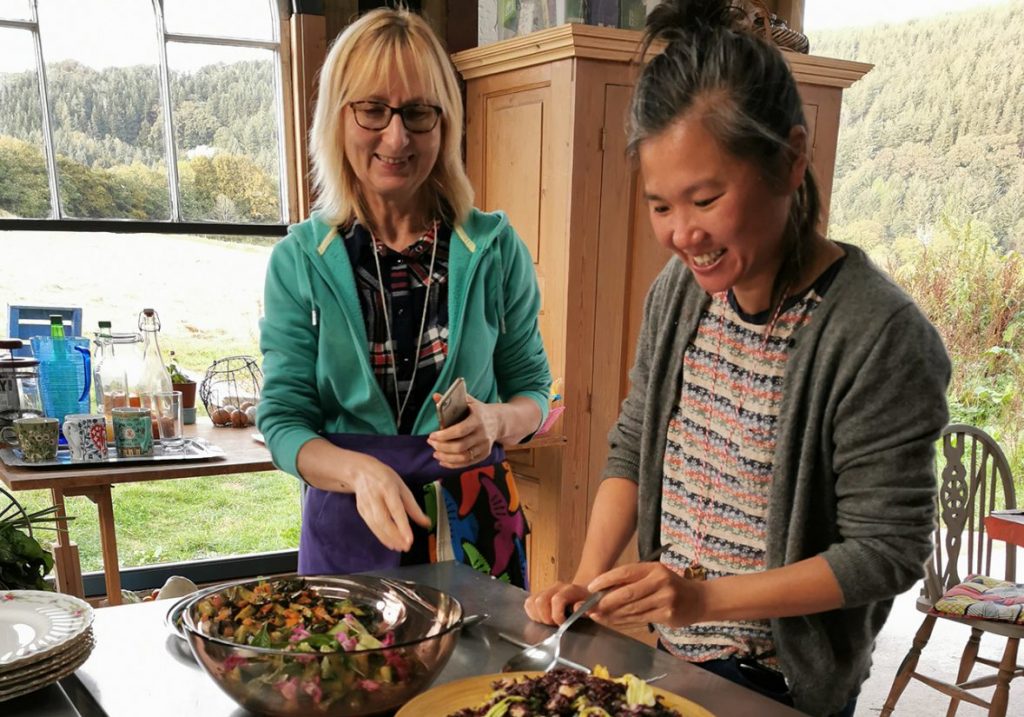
230 391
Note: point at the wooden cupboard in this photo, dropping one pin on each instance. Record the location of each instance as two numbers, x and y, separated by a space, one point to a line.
545 141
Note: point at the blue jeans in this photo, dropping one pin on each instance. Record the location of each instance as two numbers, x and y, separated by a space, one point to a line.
763 680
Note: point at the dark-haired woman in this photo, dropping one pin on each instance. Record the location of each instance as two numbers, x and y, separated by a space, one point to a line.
778 434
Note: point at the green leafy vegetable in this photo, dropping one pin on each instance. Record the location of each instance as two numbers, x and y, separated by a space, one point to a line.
24 563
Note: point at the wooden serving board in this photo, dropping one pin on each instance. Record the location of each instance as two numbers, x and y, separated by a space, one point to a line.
474 691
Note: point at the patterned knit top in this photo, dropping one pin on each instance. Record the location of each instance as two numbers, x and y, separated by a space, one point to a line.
719 459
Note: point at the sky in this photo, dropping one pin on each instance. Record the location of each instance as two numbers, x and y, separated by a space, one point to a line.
84 30
831 14
119 33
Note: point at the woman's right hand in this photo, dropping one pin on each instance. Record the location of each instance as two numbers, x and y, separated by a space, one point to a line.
549 606
384 502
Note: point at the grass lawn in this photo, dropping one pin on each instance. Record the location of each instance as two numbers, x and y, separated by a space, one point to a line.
178 520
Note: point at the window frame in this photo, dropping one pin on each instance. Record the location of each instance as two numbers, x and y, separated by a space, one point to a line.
279 44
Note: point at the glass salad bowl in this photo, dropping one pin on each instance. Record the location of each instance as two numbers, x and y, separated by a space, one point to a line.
343 646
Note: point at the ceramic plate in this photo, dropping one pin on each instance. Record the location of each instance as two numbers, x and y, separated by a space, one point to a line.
34 624
474 691
58 671
31 672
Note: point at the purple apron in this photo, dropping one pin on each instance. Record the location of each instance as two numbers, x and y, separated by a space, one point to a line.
334 538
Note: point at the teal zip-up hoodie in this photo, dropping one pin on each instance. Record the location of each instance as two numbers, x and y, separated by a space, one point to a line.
317 374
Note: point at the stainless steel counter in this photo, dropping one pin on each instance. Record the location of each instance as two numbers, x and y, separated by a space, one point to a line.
137 667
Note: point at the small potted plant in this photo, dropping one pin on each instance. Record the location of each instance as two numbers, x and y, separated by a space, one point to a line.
181 382
24 562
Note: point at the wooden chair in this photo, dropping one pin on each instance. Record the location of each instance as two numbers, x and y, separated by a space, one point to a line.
24 322
976 472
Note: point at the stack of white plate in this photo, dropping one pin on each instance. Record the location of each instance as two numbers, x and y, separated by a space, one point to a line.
43 638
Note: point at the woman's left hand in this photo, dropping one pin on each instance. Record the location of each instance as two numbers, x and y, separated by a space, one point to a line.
469 441
642 593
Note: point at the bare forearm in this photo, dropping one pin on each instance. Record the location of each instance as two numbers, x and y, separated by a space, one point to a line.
518 418
612 523
803 588
323 465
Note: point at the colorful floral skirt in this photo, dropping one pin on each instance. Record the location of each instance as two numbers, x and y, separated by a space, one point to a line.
477 519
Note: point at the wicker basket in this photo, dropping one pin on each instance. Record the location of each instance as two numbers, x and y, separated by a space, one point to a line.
230 391
771 25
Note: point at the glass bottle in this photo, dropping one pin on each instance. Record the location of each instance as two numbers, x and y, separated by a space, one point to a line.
56 326
100 354
57 337
116 373
155 377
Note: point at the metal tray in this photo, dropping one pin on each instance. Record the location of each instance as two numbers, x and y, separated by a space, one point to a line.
194 449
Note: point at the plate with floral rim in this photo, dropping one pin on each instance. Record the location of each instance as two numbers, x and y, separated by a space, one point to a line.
34 624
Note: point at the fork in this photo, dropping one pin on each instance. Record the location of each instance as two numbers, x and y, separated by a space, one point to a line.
545 654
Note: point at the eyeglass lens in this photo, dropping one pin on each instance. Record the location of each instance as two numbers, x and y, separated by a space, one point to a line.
376 115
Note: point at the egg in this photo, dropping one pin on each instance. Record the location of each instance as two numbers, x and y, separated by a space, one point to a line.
230 408
220 417
238 419
246 406
250 413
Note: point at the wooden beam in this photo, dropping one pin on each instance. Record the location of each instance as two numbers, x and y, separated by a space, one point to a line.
308 50
339 14
460 30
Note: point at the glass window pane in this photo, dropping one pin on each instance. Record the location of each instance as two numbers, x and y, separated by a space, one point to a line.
24 188
209 308
105 108
251 19
15 10
226 133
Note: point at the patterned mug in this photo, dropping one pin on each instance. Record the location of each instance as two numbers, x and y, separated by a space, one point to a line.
37 438
133 431
87 436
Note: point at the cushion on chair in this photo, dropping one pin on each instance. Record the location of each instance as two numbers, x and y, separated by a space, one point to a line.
985 598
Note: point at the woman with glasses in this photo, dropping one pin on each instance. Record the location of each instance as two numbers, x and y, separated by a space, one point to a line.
392 290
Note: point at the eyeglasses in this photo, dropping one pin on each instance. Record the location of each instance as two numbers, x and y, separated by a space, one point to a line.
377 115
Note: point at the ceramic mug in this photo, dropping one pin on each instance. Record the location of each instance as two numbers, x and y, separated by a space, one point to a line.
87 436
36 437
133 431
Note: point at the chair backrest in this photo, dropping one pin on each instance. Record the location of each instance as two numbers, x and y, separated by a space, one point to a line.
24 322
976 473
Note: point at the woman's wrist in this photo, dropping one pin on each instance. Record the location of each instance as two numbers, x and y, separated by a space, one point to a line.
323 465
516 419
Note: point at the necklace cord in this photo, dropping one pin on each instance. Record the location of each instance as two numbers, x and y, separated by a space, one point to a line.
386 307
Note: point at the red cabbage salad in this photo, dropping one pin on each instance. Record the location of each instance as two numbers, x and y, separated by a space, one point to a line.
571 693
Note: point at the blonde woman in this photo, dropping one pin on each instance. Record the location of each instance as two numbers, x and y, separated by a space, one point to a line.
394 288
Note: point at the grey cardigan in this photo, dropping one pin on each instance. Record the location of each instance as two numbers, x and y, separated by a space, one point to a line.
864 400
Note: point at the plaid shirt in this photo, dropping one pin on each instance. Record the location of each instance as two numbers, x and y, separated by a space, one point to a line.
403 274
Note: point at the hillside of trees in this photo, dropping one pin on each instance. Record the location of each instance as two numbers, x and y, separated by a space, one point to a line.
930 180
935 129
109 137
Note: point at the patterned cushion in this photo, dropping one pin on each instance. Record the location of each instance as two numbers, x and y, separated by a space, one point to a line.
984 598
